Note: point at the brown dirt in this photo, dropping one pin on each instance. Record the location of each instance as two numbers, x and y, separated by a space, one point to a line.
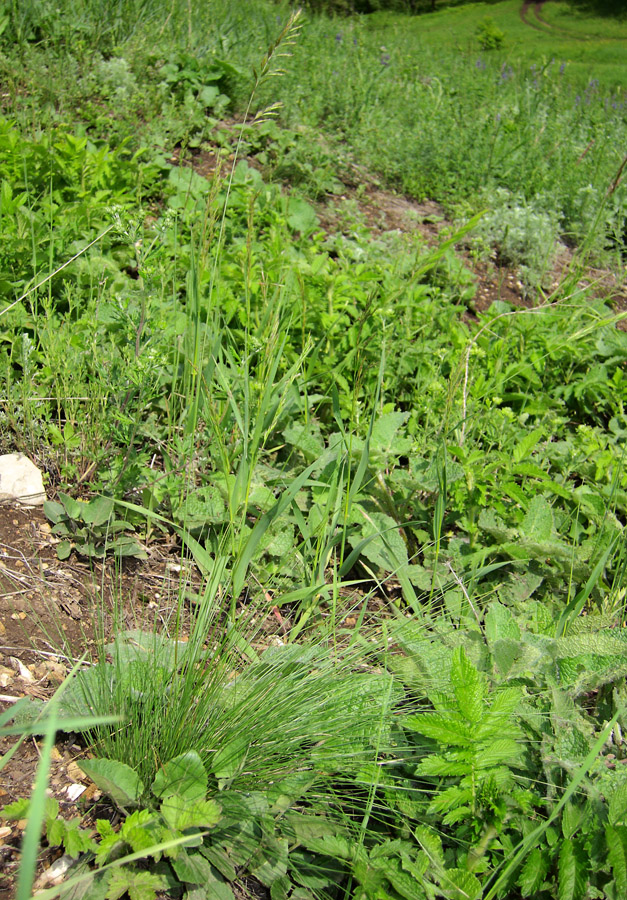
365 201
50 612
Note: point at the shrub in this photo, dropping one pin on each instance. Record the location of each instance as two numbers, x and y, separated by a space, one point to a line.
489 35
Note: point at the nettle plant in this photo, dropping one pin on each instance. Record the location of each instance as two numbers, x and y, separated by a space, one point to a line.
506 760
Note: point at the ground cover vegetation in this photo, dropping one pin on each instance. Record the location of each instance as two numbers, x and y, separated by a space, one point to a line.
321 423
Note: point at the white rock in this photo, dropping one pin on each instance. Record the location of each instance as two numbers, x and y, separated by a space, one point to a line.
20 480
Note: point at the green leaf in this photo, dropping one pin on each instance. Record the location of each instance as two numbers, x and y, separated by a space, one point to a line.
617 814
505 654
498 752
433 725
208 95
64 549
500 624
16 810
180 813
53 511
533 873
139 885
73 508
191 867
141 830
185 776
537 524
301 216
468 685
116 779
460 884
229 760
571 869
98 511
616 838
77 840
524 447
270 861
379 540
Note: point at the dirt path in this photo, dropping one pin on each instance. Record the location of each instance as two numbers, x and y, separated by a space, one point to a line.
537 6
541 24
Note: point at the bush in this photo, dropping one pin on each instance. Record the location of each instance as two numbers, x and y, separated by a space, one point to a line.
489 35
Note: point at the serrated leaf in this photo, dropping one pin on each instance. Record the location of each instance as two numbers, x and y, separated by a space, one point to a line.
571 878
180 813
433 725
270 861
500 624
301 216
460 884
335 846
616 838
16 810
185 775
140 830
140 885
77 839
533 873
435 765
55 832
468 685
121 783
617 813
524 447
537 524
431 844
497 752
191 867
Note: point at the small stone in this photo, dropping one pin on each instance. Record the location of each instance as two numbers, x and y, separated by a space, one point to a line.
21 480
57 871
74 791
21 669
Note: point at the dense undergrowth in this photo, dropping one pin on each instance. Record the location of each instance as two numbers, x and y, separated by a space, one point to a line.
318 419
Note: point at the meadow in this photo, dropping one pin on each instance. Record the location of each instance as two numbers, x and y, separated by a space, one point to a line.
203 339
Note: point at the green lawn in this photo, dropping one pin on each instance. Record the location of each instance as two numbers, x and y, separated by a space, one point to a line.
591 47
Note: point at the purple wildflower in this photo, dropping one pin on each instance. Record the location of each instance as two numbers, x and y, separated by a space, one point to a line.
338 37
506 73
480 64
385 59
562 68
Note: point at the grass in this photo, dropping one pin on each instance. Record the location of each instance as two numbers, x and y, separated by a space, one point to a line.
315 417
592 47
